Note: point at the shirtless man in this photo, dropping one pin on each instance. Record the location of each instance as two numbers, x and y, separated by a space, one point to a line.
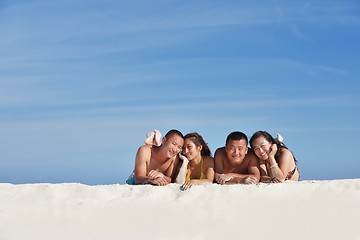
154 165
236 163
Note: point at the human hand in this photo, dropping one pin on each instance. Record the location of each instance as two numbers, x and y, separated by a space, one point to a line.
273 151
223 178
153 174
276 180
160 181
186 185
250 180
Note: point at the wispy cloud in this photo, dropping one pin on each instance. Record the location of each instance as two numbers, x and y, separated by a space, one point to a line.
80 79
297 32
46 23
119 87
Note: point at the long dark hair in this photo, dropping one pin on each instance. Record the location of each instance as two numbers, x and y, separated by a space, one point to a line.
271 140
198 140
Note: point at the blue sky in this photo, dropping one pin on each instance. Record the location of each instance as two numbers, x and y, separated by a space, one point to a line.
81 82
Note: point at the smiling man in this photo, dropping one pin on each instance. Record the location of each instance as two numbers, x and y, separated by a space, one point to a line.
154 165
236 163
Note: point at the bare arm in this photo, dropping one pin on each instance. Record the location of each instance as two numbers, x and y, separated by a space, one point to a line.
218 163
286 163
242 178
253 173
263 172
220 176
158 178
209 173
253 169
262 168
169 172
142 176
140 171
209 166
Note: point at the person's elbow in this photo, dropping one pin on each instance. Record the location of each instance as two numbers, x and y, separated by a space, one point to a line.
139 178
257 176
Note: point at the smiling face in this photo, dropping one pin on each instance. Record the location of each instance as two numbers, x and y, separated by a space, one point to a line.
261 147
173 145
190 150
236 150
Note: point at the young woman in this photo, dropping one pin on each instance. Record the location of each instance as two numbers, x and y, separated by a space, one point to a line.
198 165
277 163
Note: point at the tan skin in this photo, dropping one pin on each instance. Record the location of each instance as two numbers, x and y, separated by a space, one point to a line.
274 169
236 163
193 153
155 165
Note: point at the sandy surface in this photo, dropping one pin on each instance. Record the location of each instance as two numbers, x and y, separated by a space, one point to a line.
292 210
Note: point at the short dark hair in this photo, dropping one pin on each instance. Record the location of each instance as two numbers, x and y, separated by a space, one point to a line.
173 132
234 136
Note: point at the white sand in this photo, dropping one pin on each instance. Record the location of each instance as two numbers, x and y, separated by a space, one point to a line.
293 210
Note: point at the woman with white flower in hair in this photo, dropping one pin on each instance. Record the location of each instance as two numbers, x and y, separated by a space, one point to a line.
277 163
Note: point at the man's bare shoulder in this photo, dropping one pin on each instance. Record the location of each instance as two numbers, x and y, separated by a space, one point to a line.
220 152
144 152
250 155
145 148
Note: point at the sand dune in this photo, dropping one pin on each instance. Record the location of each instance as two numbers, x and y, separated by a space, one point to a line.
292 210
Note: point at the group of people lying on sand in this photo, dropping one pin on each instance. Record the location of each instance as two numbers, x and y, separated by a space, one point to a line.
187 160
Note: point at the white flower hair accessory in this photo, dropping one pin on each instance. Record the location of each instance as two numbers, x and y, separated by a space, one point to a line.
279 139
